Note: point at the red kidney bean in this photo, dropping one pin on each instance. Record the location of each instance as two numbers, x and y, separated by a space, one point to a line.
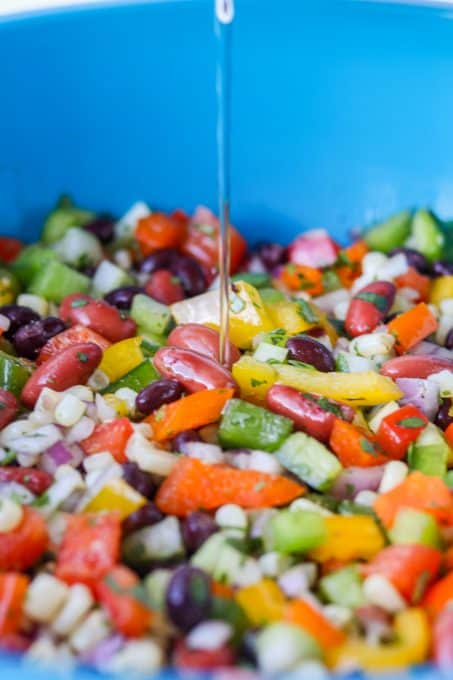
160 259
156 394
139 479
188 659
36 481
188 597
194 371
196 529
178 444
449 339
164 287
31 338
414 259
97 315
415 366
443 418
369 307
143 517
203 340
190 274
306 410
308 350
271 254
122 297
72 366
18 316
102 227
8 408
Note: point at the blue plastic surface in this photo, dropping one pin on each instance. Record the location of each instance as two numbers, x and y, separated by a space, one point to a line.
342 113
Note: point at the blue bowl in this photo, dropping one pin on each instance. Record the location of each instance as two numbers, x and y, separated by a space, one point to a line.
342 113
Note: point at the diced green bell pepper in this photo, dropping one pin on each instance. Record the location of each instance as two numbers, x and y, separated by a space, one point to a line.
245 425
64 216
140 376
389 234
57 280
14 373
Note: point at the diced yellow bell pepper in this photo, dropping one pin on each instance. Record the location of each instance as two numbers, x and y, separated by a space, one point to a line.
356 389
441 289
116 495
254 378
411 646
262 602
122 357
349 538
8 287
248 316
286 314
118 405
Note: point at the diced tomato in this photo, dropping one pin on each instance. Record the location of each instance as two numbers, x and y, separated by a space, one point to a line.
449 435
439 595
90 548
36 481
117 592
418 282
203 240
411 568
164 287
314 248
185 658
13 588
9 248
72 336
158 231
443 640
399 430
24 545
355 447
302 277
109 436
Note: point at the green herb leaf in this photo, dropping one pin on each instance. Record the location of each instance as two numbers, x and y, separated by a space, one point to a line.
10 457
300 364
378 301
256 383
412 423
82 357
78 303
307 312
367 446
41 500
344 259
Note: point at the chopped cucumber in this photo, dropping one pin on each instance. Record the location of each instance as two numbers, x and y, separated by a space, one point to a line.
30 261
78 248
245 425
109 276
255 279
426 235
207 554
152 316
140 376
295 531
156 587
161 541
268 352
309 460
150 342
282 646
343 587
389 234
14 373
430 453
218 557
57 280
62 218
413 527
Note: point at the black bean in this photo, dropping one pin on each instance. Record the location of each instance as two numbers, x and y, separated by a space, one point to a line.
18 316
196 529
102 227
160 259
414 259
157 394
443 418
179 442
443 268
309 351
188 597
143 517
122 297
32 337
190 274
449 339
271 254
141 481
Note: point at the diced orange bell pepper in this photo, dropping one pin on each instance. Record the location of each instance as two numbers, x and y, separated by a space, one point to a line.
303 614
193 485
111 436
413 279
418 491
301 277
449 435
439 595
356 251
13 588
412 326
354 447
158 231
117 592
263 602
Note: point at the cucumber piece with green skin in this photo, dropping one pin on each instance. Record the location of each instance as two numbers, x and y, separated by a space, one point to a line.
30 261
430 453
281 646
415 527
57 281
389 234
63 217
108 277
219 558
255 279
156 587
270 352
14 373
159 542
426 235
140 376
78 248
343 587
150 342
295 531
244 425
152 316
309 460
207 554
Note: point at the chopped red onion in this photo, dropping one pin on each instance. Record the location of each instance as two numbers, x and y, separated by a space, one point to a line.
103 652
424 394
60 454
354 479
431 349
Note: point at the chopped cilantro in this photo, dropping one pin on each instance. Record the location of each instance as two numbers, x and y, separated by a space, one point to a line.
78 303
367 446
307 312
82 357
411 423
10 457
41 500
378 301
256 383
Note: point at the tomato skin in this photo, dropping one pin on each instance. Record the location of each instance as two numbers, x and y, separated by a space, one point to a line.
97 315
71 336
443 640
395 438
8 407
22 547
71 367
158 231
9 248
36 481
364 315
13 588
129 616
90 548
201 339
193 370
109 436
202 659
164 287
404 566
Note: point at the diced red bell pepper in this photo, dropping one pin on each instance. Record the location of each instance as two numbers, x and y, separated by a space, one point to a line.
314 248
157 231
449 435
185 658
399 430
36 481
439 595
410 568
354 447
24 545
110 436
13 588
118 593
9 248
90 548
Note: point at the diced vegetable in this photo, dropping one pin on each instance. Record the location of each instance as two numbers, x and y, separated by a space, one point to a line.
152 316
343 587
55 281
250 426
389 234
309 460
349 538
295 531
